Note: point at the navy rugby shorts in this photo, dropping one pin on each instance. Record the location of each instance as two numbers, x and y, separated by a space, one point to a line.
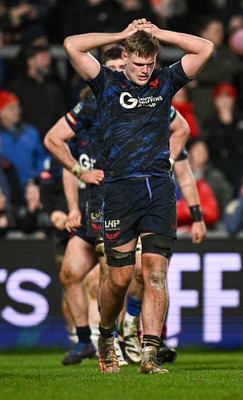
133 206
93 210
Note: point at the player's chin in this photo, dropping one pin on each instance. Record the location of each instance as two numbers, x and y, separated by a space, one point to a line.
142 81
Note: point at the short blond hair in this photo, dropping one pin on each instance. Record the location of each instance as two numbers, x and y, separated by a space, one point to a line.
142 44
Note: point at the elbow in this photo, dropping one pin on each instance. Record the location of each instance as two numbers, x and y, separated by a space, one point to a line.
67 44
183 134
210 49
48 142
186 131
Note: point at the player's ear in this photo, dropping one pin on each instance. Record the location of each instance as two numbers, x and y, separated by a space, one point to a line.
124 56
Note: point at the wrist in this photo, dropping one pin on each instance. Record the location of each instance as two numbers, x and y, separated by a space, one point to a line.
73 208
76 170
196 213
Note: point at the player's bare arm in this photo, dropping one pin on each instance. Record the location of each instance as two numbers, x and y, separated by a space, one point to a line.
187 183
70 186
56 143
78 47
198 50
180 132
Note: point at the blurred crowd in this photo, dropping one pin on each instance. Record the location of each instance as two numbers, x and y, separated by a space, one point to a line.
36 90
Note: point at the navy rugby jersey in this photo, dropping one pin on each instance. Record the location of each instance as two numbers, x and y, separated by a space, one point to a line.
86 146
135 120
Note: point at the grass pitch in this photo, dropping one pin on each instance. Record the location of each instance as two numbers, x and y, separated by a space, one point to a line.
199 375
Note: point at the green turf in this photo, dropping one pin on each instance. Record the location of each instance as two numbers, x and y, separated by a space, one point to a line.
196 375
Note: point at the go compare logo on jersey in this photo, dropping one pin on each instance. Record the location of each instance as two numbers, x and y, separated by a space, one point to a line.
127 101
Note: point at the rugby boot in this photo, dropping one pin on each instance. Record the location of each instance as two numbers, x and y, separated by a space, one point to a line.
107 357
149 363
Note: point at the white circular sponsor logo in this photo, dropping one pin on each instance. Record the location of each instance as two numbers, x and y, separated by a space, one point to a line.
127 101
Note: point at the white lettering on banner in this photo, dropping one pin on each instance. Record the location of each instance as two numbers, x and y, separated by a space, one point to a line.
206 293
179 298
215 297
3 275
37 301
